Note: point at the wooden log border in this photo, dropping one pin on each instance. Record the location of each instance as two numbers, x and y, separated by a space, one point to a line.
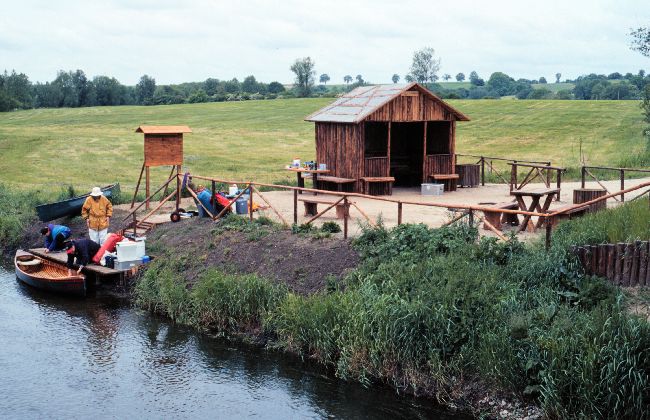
623 264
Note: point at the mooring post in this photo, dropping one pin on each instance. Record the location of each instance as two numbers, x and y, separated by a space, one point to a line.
471 217
345 217
549 227
513 176
399 213
583 173
295 207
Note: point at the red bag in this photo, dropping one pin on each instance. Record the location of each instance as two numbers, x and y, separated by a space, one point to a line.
109 245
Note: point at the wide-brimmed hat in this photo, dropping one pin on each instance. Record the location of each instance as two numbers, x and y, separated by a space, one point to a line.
96 192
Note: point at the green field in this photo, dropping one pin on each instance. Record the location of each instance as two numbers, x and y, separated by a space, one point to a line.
254 140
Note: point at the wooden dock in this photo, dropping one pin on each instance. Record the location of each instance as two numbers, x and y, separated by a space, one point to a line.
62 257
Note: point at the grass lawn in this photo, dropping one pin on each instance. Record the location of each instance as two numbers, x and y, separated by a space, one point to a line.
554 87
255 139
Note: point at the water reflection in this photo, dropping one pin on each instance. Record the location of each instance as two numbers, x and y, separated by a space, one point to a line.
98 357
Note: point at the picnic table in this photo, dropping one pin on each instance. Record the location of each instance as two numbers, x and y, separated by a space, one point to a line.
535 195
301 180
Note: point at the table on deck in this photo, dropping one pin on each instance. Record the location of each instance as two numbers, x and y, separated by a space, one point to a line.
314 172
535 195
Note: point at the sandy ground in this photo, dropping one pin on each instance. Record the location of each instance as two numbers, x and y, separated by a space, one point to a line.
431 216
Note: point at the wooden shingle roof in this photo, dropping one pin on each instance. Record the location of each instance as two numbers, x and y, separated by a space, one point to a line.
163 129
356 105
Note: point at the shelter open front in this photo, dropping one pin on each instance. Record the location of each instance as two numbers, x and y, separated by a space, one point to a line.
406 153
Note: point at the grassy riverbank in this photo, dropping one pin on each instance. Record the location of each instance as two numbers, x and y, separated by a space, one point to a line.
83 147
439 313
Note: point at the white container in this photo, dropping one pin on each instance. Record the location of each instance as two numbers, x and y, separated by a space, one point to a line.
322 166
296 162
432 189
130 250
125 265
233 189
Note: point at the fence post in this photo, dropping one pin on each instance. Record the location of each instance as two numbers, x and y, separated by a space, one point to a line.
622 184
513 176
559 183
482 171
399 213
295 207
471 217
250 201
583 173
214 197
345 217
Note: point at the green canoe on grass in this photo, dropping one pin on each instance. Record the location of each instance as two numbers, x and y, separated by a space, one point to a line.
71 206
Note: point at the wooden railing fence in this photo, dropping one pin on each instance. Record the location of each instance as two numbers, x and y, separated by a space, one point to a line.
346 199
543 172
488 161
585 170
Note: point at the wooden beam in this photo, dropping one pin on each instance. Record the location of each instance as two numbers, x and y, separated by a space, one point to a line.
269 204
137 186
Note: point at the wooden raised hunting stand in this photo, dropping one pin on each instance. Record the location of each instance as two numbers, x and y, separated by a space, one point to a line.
377 136
163 145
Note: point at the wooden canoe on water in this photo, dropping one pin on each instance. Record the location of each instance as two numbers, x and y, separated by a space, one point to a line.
47 275
71 206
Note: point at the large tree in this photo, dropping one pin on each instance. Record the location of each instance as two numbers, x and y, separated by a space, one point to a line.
460 77
425 65
304 70
347 79
501 83
395 78
324 78
145 90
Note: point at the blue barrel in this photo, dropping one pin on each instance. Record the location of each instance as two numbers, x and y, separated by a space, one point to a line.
242 205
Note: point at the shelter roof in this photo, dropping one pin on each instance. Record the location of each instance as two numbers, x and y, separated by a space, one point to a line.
356 105
163 129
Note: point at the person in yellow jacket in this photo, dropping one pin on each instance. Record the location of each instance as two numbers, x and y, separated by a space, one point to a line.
97 211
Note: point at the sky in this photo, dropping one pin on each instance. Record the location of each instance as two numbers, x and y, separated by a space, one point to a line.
189 41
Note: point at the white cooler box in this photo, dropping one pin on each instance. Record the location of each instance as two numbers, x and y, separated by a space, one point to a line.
432 189
130 250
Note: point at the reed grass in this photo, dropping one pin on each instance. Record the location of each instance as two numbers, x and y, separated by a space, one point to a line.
430 308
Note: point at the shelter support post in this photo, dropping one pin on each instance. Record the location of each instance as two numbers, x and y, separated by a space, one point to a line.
178 187
146 184
250 201
137 186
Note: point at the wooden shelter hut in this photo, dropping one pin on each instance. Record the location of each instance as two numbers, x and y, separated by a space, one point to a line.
376 135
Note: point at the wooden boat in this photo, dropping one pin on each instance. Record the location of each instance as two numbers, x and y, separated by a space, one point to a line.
47 275
71 206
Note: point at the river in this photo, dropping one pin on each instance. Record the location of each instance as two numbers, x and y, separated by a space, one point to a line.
101 358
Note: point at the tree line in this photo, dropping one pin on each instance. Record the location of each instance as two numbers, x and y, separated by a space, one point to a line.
74 89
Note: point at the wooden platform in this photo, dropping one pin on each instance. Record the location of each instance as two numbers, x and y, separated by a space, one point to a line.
62 257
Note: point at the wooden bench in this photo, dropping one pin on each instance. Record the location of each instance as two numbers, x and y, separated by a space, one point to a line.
340 182
568 215
497 219
367 180
449 180
311 207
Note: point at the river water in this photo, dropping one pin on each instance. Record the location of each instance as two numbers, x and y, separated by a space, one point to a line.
98 357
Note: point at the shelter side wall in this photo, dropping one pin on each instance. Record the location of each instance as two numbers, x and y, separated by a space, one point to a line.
411 106
340 146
